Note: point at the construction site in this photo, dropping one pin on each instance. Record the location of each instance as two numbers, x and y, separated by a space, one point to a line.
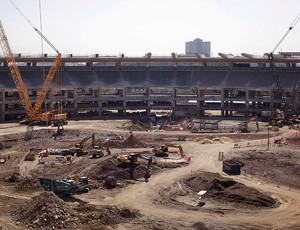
173 142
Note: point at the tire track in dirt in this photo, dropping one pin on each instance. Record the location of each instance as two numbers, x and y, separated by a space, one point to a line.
144 196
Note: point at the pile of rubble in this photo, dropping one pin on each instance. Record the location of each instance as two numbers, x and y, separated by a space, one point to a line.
132 142
47 211
13 177
28 184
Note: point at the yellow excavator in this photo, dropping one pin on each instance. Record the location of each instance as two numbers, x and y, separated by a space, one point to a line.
164 150
34 114
131 161
243 127
78 149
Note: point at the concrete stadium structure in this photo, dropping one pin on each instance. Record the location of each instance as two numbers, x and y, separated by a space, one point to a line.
101 86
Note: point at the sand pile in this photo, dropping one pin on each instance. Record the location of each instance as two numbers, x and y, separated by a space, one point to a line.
211 139
47 211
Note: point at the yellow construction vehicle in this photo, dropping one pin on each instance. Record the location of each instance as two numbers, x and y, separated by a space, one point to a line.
78 149
34 115
164 150
97 152
243 127
131 161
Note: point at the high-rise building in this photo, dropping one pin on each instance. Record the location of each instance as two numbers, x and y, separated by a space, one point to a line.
198 46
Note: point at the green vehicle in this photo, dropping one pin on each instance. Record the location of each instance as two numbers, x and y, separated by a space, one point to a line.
63 187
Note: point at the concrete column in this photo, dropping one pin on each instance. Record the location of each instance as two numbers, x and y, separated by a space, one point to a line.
173 102
75 102
2 117
99 96
122 93
222 102
148 109
247 104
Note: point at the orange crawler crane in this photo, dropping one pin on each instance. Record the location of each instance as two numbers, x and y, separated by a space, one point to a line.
35 116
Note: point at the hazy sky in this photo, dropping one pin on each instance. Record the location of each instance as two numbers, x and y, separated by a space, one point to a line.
134 27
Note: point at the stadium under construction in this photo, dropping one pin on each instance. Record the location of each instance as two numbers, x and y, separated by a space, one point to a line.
99 86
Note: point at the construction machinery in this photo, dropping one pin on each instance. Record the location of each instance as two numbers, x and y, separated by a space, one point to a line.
244 126
288 105
65 187
97 152
131 161
78 149
163 151
34 114
204 125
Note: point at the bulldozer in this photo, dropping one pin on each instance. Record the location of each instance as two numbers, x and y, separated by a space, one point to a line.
164 150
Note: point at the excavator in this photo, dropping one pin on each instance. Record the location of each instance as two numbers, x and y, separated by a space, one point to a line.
164 150
131 161
78 149
243 127
34 114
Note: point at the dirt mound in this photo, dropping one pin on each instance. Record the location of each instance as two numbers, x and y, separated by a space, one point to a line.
106 215
46 211
110 167
132 142
227 190
5 146
28 184
13 177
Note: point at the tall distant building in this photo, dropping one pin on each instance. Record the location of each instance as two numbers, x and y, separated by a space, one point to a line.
198 46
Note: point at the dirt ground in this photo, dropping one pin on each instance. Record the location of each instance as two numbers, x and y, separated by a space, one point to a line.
264 196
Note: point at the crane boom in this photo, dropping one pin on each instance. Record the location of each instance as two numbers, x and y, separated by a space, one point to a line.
33 113
14 70
287 32
43 92
272 65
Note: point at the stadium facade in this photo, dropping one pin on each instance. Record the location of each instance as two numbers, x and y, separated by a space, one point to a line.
100 86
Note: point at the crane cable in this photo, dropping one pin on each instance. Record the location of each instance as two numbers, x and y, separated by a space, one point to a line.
38 31
289 30
42 47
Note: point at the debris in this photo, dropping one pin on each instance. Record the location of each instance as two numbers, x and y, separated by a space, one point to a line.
46 211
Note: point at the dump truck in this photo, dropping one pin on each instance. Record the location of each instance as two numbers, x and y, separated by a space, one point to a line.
64 187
